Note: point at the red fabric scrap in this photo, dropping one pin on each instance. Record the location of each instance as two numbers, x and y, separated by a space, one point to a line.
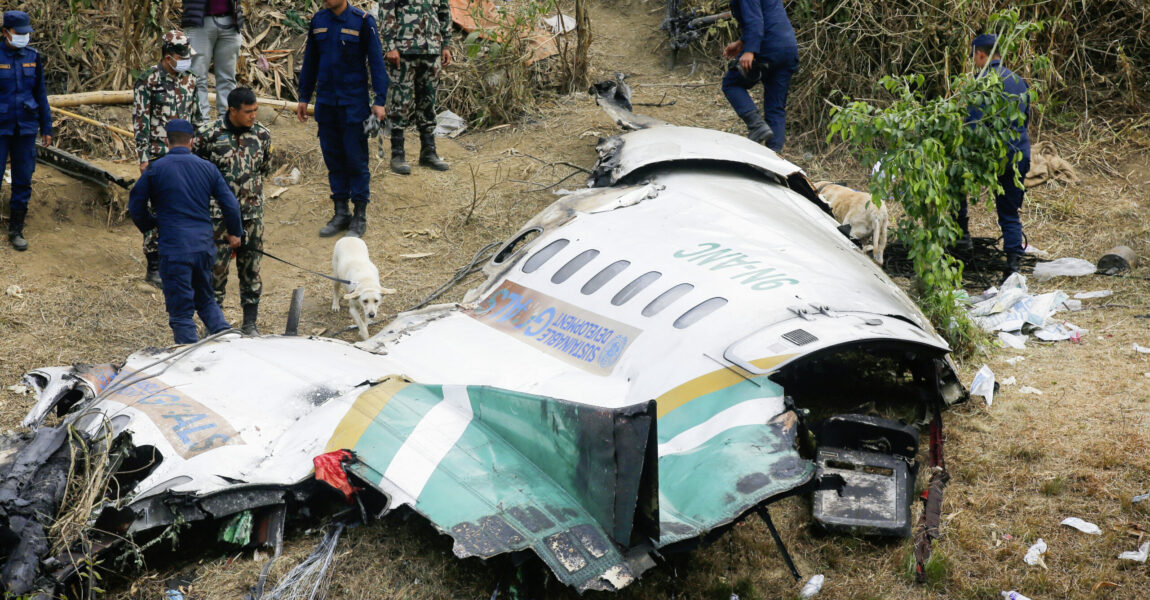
329 468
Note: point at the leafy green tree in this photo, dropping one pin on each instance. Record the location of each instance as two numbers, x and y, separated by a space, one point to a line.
931 159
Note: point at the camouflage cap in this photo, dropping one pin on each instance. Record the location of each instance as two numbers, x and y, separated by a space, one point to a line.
176 42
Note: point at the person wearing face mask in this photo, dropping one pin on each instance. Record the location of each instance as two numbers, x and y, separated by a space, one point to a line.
23 113
241 149
163 92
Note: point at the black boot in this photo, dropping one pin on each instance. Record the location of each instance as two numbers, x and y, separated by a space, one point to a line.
16 229
358 220
757 128
398 159
152 276
1013 262
339 222
427 155
251 311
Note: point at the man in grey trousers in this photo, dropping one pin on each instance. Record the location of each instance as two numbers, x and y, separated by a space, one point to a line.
213 27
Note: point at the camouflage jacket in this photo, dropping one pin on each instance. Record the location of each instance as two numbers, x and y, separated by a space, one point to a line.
157 98
415 26
244 159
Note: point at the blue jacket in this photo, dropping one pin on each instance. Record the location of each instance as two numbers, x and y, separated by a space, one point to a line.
23 98
180 186
764 25
1015 86
333 60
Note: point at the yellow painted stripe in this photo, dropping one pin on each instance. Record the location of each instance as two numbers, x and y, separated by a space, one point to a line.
711 382
363 412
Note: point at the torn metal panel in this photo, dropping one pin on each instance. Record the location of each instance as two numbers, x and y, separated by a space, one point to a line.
79 168
614 96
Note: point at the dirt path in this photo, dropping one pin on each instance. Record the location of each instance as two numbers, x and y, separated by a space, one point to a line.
1019 467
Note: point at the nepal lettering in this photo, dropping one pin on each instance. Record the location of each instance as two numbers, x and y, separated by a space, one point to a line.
747 271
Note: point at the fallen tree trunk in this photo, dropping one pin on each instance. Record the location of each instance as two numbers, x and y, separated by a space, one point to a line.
125 97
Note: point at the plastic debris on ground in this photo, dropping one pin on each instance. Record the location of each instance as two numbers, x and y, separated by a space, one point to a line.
1013 595
1142 349
983 384
449 124
1063 267
15 291
1014 313
286 180
1073 305
1138 555
816 583
1026 389
1018 342
1033 251
20 389
1014 361
560 23
1034 554
1094 294
1083 526
1140 498
1009 381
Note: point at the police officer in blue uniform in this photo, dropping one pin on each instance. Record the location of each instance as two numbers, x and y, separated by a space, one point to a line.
1009 202
23 112
342 42
180 186
766 52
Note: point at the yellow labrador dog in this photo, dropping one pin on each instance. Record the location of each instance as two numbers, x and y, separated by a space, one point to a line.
867 221
349 261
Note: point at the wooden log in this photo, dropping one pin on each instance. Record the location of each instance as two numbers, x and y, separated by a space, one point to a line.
111 128
125 97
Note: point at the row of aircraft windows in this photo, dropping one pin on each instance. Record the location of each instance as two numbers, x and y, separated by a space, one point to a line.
640 283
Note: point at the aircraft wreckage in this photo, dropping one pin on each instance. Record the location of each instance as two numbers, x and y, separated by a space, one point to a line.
645 364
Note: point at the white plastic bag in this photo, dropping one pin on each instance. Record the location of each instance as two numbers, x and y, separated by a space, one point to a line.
1083 526
983 384
1063 267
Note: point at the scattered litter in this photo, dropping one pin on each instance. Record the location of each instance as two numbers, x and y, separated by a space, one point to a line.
1014 361
1072 305
1142 349
1018 342
1136 555
290 179
564 192
1057 331
1035 252
1034 554
1009 381
19 388
816 583
1013 595
276 193
417 255
430 232
1063 267
983 384
1094 294
449 124
15 291
1134 500
560 23
1026 389
1083 526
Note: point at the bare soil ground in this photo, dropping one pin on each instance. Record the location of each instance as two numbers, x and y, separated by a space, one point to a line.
1018 468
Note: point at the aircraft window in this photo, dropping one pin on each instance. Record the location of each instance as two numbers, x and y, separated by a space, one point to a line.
700 310
602 277
566 271
544 255
515 244
641 282
666 299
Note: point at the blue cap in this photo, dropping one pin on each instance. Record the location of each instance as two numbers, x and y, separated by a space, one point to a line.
984 40
179 126
18 21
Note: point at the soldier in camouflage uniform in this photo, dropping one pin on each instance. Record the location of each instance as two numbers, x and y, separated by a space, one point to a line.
242 149
415 36
163 92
